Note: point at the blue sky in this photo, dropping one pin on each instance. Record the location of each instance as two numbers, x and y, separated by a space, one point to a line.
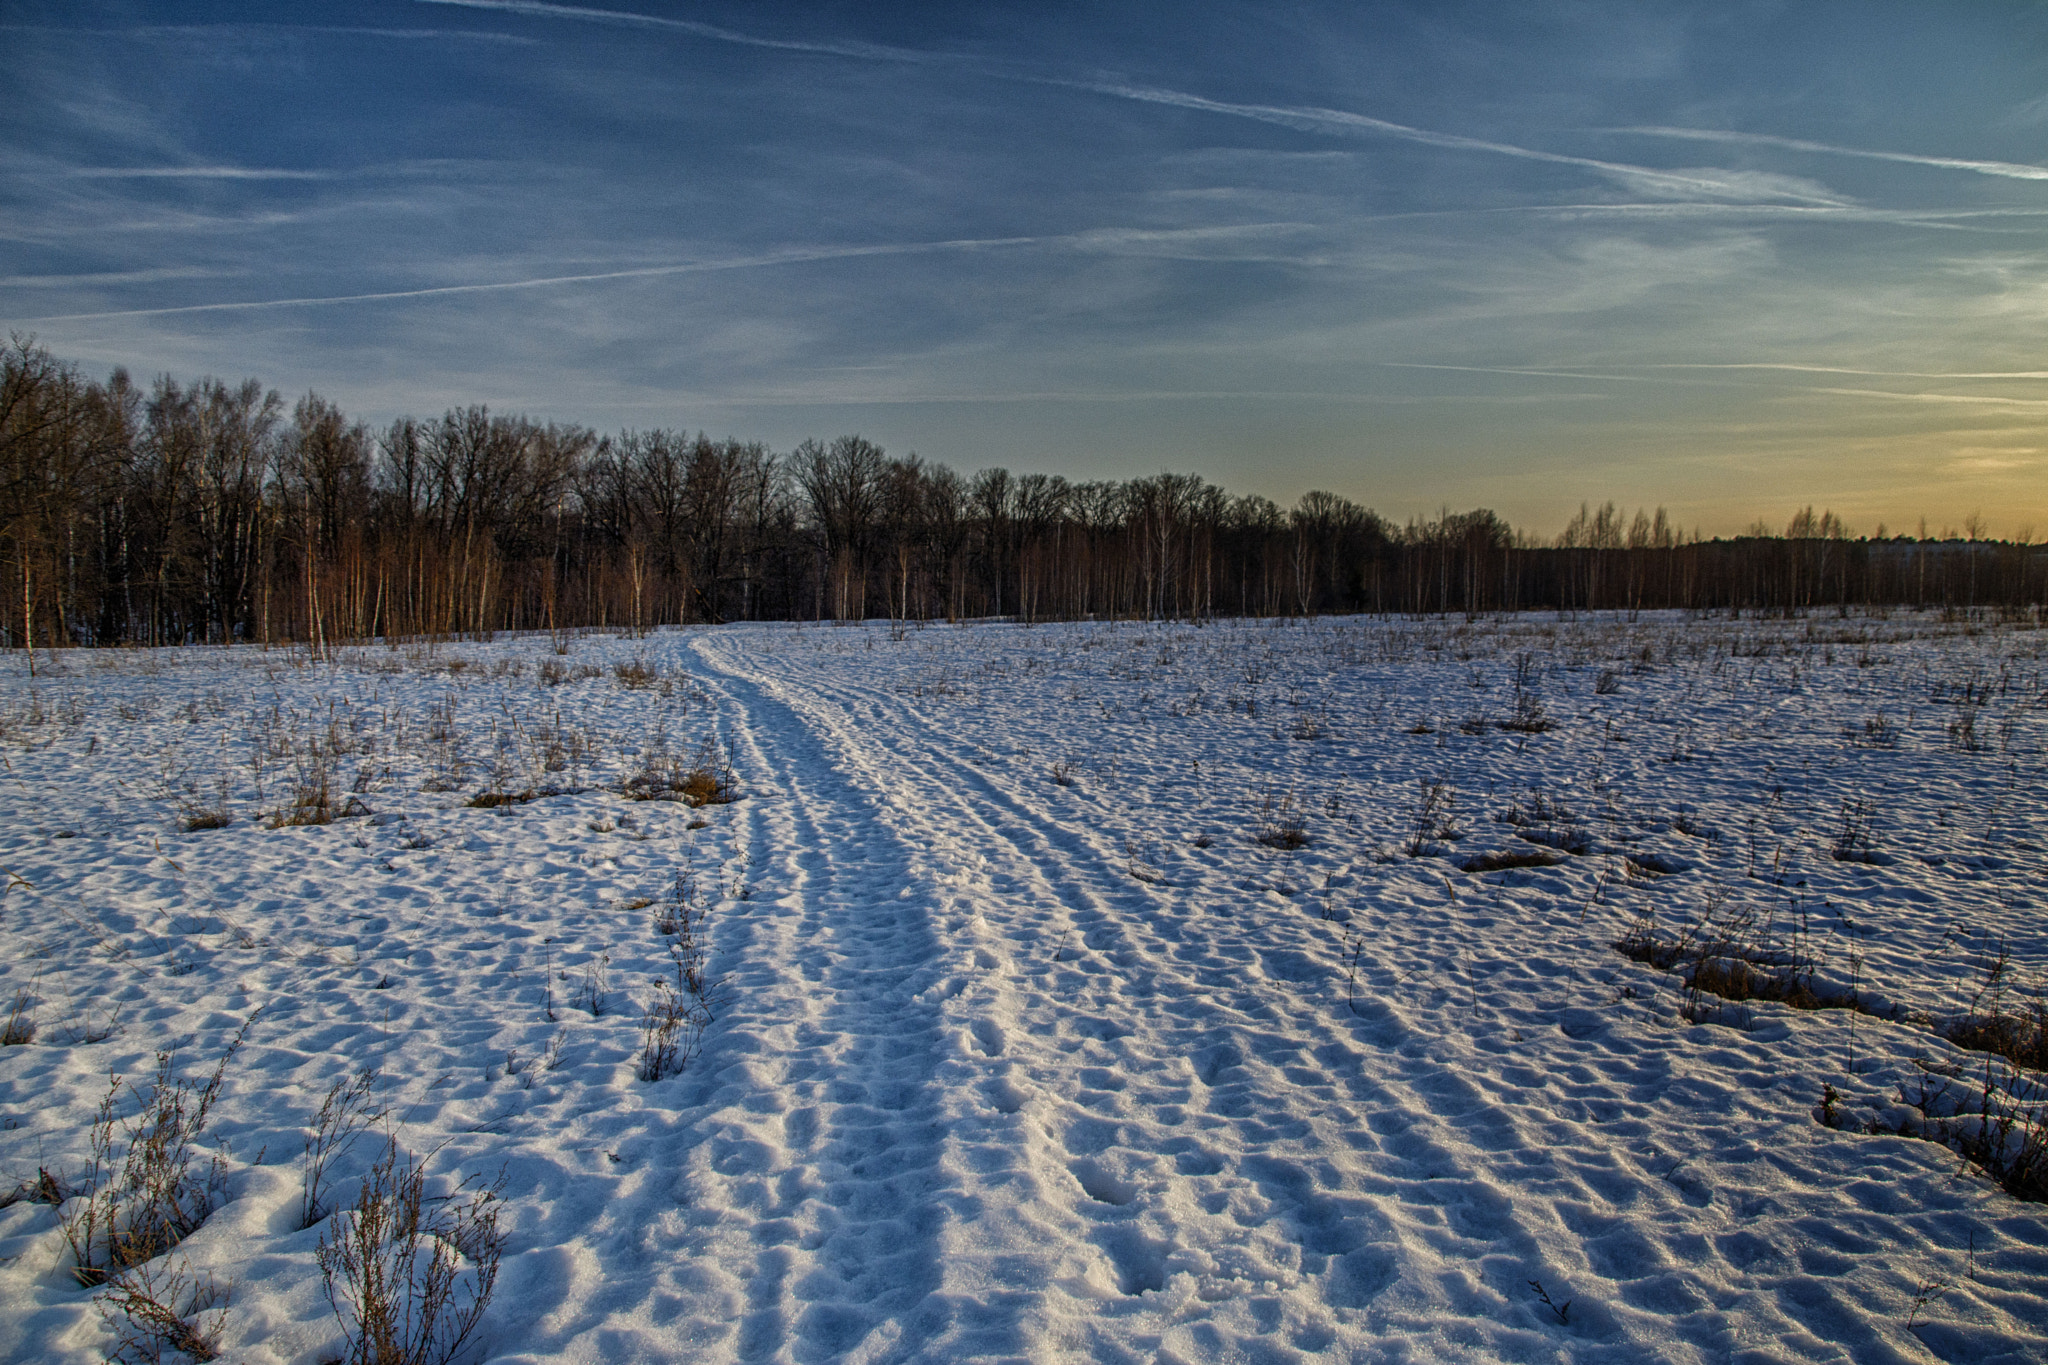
1731 258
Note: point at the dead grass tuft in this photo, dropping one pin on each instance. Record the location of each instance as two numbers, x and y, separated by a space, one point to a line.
21 1019
1279 822
706 779
1731 956
409 1276
1431 819
1995 1119
312 798
1504 859
134 1209
678 1013
162 1310
349 1109
1992 1021
493 799
636 674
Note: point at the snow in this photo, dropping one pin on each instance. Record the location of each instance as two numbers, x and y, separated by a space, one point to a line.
1028 1049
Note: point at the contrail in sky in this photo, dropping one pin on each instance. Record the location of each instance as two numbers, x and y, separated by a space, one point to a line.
543 10
2009 170
1100 238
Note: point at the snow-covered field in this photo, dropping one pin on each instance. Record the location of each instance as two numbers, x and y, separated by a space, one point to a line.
1028 1047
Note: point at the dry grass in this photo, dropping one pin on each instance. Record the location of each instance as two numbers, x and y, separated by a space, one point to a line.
161 1311
553 672
1854 840
21 1019
678 1013
491 800
1505 859
1431 819
1732 955
706 779
636 674
1997 1022
349 1109
409 1276
1995 1119
312 798
1279 822
134 1209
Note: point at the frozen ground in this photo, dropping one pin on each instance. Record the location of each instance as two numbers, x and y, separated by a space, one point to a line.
1030 1049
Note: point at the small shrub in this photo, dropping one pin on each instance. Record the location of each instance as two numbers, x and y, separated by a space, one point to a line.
491 800
349 1108
1279 822
707 779
1528 716
595 992
635 675
1962 731
1997 1121
312 800
679 1011
161 1310
1537 809
160 1191
409 1277
680 910
1853 842
1310 725
21 1019
1432 817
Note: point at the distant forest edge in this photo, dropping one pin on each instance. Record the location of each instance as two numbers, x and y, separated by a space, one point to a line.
211 512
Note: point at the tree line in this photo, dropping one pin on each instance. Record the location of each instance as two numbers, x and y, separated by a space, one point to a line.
212 512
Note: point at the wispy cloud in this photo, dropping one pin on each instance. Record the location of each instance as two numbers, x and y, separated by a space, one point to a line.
1842 369
197 173
917 398
1946 220
541 10
1979 400
1691 183
214 31
1581 374
1098 240
106 277
1310 118
2009 170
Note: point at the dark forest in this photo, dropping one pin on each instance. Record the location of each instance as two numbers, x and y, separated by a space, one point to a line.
213 512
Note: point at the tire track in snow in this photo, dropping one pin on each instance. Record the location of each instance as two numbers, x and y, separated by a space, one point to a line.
1388 1193
854 1255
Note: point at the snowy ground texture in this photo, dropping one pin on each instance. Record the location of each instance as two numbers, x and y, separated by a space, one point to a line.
1030 1049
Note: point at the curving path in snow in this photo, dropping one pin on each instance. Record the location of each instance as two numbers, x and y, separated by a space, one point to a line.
1168 1135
